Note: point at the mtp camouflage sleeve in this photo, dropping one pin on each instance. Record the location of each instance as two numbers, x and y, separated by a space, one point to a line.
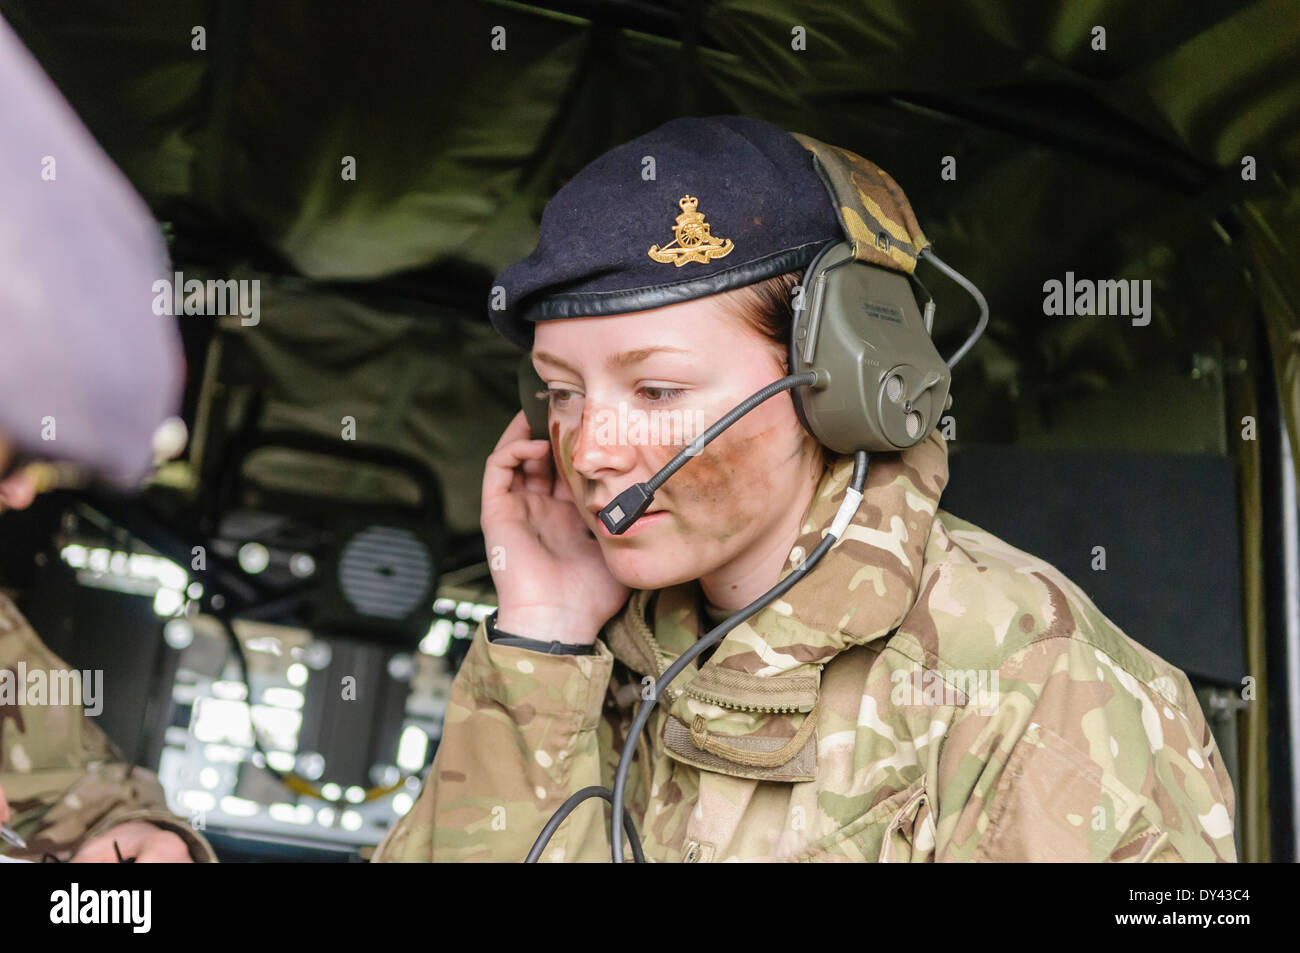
520 736
65 781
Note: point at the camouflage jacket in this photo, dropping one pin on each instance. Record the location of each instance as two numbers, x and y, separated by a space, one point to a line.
927 693
64 779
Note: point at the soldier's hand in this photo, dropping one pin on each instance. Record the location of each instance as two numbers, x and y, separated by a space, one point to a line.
139 839
550 577
4 808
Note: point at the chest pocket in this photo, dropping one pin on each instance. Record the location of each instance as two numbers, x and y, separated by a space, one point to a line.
900 829
1055 804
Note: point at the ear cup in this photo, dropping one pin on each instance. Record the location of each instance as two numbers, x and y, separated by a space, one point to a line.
799 333
882 383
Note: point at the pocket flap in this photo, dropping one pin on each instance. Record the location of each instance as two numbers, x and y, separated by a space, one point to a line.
1053 803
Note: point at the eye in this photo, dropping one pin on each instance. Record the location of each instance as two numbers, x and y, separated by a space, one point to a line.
660 395
558 396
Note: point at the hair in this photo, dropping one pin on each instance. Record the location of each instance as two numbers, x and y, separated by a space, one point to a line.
767 308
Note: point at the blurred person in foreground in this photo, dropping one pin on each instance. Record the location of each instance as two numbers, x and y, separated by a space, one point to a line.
87 374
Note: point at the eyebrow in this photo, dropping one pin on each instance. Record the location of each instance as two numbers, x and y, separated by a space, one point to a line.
623 359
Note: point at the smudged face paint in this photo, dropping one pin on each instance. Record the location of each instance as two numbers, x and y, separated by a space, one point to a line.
628 392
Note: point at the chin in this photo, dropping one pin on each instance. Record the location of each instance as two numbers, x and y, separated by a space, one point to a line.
649 568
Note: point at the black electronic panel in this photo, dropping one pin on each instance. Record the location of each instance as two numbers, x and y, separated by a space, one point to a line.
118 634
1168 523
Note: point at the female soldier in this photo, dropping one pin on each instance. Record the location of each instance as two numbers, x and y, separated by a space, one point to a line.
926 692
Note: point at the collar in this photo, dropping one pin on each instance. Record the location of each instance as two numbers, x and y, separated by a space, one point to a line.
766 673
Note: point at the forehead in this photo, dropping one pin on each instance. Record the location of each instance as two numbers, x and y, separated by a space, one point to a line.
701 324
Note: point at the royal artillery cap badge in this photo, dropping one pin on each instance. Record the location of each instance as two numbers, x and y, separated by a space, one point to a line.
692 238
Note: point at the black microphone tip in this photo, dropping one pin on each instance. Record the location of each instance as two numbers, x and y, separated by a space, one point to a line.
626 508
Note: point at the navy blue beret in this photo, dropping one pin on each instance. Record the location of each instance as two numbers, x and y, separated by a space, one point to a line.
731 201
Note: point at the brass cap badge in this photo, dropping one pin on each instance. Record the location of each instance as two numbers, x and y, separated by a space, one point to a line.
692 238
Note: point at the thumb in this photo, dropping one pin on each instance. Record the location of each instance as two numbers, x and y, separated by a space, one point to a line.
4 808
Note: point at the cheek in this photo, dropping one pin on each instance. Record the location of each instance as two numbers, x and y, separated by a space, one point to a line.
731 478
562 450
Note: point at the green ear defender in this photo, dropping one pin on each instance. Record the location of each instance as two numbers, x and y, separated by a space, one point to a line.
881 383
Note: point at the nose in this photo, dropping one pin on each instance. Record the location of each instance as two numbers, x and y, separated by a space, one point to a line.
598 447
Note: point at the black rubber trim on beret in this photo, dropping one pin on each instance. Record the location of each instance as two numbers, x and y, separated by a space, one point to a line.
590 304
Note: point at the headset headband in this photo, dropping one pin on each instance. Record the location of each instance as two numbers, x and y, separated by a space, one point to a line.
873 211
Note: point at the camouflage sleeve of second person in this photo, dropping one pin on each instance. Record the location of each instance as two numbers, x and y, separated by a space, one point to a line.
520 736
65 781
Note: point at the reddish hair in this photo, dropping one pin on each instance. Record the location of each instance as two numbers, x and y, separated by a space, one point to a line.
767 307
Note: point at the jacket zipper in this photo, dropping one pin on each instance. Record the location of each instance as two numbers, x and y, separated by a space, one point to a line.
714 700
